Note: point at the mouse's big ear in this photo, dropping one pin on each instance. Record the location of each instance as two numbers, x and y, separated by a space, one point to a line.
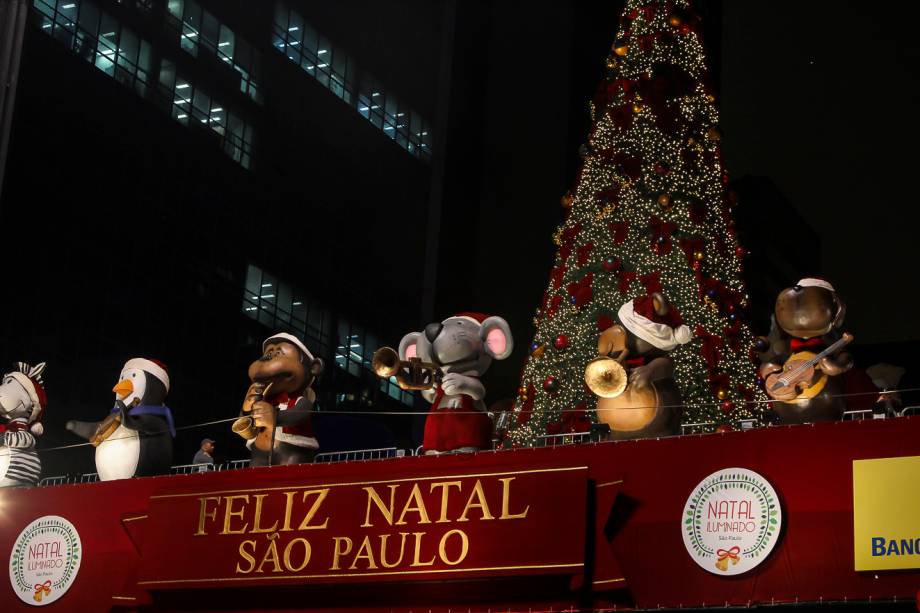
408 346
316 367
496 337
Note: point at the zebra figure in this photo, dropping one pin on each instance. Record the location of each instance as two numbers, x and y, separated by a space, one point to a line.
22 405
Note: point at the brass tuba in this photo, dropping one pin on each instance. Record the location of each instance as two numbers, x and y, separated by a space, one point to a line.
411 374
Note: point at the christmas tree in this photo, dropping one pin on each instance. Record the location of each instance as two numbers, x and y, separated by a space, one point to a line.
649 212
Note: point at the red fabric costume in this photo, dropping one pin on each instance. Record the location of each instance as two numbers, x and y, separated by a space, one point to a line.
448 428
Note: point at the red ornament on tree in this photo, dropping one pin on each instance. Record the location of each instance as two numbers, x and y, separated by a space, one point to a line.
551 384
561 342
610 264
727 406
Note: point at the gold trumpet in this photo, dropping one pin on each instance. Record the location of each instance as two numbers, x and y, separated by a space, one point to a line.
606 377
411 374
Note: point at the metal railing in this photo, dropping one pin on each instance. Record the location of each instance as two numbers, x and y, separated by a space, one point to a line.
70 479
698 428
359 454
189 469
556 440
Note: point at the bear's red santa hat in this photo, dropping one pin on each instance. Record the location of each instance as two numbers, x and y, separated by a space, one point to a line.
663 331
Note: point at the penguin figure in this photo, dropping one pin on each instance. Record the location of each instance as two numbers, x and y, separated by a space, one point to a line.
136 439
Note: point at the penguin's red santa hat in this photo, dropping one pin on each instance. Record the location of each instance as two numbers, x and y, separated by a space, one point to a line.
151 366
30 378
663 331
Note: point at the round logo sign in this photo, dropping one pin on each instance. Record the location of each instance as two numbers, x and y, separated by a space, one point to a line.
45 560
731 521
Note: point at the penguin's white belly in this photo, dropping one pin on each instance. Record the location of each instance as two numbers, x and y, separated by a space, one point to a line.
118 455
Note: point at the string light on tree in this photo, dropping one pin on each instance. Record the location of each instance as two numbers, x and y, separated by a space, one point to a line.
650 200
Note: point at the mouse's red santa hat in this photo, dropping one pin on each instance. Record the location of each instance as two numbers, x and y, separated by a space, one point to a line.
663 331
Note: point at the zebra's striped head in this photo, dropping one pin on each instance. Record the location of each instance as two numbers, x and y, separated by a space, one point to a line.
22 396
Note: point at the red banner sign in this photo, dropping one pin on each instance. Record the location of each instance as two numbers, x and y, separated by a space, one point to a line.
415 528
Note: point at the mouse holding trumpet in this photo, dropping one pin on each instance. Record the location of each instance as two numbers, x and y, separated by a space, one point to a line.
445 362
633 375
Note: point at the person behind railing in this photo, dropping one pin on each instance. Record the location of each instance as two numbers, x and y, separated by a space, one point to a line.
886 378
205 455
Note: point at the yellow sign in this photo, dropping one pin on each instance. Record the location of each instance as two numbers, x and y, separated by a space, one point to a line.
886 513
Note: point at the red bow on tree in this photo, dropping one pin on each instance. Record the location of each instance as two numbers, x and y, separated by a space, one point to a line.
625 279
628 165
556 276
718 381
661 234
584 252
582 289
619 230
711 347
622 115
553 306
568 241
651 282
608 195
732 335
691 246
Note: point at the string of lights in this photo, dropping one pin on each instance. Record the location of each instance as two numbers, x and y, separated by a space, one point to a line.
684 406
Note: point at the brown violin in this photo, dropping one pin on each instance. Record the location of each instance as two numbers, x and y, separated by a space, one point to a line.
802 373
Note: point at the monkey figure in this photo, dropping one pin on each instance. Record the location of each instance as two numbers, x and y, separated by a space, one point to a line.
276 411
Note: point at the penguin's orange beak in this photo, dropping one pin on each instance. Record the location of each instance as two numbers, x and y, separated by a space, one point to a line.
123 388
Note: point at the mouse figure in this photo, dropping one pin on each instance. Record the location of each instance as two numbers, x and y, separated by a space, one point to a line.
22 406
641 398
462 347
136 438
803 364
275 419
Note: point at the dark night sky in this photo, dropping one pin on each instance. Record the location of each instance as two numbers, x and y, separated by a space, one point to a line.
823 98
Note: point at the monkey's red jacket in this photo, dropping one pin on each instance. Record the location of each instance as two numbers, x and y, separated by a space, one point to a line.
449 428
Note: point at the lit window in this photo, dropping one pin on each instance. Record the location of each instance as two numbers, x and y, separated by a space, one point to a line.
199 29
335 70
188 104
99 39
281 307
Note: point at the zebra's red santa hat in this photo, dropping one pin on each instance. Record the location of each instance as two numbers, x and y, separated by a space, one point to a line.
30 378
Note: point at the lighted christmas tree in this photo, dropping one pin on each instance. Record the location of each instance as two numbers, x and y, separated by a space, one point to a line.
649 212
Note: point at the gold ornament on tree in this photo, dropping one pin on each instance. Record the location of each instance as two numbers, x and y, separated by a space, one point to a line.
664 201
